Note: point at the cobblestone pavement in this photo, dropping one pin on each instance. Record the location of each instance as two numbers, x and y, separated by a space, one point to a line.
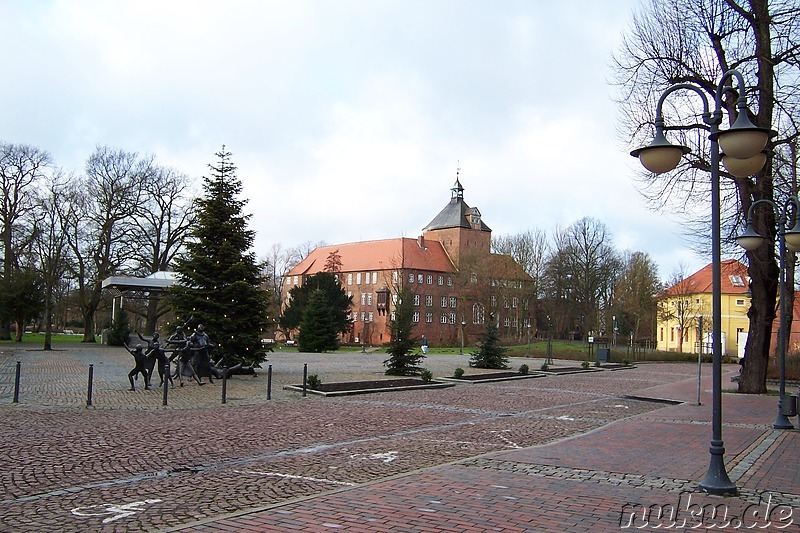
565 452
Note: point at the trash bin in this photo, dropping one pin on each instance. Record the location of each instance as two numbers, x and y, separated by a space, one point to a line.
604 355
789 405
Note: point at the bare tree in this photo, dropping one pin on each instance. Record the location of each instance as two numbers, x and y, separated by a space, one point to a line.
50 249
696 41
530 250
97 220
635 293
593 264
277 263
22 167
162 221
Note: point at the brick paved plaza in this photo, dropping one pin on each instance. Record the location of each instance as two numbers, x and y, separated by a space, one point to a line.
563 452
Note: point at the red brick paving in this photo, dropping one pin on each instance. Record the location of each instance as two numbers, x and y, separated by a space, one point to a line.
562 453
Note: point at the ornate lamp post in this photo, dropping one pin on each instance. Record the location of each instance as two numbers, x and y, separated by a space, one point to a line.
750 240
742 142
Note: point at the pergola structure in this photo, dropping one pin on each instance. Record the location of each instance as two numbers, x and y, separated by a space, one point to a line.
138 288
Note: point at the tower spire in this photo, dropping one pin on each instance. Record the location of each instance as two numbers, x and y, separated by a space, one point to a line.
458 190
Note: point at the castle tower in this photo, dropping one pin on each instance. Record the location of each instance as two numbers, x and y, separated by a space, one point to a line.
459 228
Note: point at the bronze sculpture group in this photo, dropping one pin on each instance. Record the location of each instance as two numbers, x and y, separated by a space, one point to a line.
192 354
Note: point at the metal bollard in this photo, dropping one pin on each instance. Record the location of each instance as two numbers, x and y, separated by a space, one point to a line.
16 382
89 391
305 378
224 385
269 382
166 384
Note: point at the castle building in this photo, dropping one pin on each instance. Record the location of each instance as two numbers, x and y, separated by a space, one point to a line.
456 281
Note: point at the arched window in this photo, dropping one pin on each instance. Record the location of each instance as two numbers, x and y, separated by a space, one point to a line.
478 314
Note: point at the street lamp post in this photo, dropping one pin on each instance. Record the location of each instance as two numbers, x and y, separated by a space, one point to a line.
750 240
529 335
461 348
742 143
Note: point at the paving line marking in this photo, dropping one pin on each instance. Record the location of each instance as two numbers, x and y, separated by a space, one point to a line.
509 442
386 457
605 477
117 511
291 476
744 465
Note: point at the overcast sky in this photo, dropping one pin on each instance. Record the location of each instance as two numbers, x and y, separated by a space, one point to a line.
347 120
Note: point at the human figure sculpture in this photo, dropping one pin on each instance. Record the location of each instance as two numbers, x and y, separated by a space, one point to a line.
183 352
140 366
163 363
202 360
152 356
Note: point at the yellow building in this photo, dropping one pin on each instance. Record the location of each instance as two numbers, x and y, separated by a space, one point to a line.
685 308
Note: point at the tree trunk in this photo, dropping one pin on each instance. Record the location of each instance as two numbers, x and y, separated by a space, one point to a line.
152 316
88 323
48 317
764 274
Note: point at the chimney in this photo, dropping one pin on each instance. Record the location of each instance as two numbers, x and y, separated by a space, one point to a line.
421 242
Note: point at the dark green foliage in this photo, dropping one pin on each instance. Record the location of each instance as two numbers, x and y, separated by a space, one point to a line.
21 299
336 299
220 281
524 369
318 331
490 354
459 373
313 382
120 329
426 375
402 360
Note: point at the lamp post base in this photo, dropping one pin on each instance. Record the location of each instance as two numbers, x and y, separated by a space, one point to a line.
782 421
717 481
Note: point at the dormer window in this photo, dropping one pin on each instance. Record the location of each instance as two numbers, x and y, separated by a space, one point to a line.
736 281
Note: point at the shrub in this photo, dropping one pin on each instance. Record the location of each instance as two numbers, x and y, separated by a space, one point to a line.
625 362
490 354
585 364
524 369
313 382
545 366
597 363
120 330
426 375
459 372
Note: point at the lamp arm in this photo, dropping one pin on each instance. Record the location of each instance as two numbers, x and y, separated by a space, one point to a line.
787 204
678 87
722 87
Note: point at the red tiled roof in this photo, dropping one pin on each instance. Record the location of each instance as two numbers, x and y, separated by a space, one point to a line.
700 282
387 254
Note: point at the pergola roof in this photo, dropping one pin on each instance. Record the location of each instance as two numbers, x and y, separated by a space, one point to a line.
156 282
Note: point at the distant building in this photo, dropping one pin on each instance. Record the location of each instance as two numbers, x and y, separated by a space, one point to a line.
686 306
455 280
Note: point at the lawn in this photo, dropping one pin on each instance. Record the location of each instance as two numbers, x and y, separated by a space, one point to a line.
38 338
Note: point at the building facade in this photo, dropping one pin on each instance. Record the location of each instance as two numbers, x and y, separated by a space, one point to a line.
456 283
684 316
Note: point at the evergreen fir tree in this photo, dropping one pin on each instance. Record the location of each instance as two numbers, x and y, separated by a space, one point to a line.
220 281
120 330
490 354
336 297
403 361
317 330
